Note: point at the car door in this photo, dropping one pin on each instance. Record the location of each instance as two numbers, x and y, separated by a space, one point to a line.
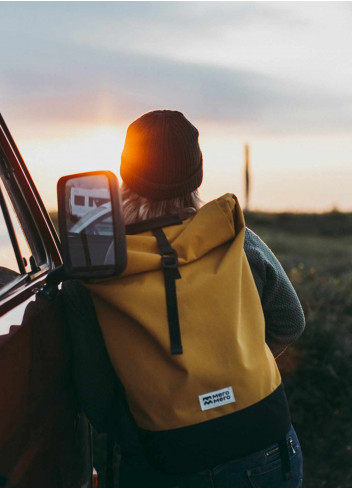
44 440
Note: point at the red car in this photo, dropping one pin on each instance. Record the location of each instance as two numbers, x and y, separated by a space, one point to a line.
44 440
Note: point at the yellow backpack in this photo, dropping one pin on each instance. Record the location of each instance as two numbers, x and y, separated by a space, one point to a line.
185 332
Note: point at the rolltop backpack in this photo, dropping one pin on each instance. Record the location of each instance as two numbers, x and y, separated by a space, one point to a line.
185 332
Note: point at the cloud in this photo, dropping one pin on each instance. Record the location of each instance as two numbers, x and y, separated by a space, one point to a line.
90 84
50 74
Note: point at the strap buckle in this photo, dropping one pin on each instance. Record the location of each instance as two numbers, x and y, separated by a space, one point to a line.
169 260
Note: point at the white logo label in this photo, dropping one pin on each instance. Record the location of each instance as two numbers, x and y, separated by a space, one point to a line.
217 398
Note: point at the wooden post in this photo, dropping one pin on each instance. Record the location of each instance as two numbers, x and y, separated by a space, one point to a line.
247 176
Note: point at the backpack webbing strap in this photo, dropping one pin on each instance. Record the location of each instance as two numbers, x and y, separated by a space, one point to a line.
169 263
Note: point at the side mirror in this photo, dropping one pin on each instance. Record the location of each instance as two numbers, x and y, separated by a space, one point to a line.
91 225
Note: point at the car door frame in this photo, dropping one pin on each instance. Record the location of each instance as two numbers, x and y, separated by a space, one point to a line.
22 290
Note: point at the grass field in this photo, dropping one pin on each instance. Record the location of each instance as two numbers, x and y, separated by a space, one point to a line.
316 252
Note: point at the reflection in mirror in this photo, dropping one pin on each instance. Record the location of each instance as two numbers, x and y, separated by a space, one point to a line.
89 223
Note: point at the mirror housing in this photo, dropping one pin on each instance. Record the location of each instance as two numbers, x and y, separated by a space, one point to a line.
91 225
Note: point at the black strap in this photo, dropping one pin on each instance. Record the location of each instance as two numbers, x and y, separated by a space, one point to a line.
285 459
154 223
169 263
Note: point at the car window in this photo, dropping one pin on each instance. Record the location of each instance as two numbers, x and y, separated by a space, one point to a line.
9 269
20 250
26 252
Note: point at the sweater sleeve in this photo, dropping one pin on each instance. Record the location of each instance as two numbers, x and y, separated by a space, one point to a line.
284 318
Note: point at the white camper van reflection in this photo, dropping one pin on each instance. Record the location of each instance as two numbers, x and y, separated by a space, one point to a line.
84 200
96 222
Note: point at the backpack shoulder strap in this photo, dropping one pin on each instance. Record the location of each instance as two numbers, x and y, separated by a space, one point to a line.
169 264
154 223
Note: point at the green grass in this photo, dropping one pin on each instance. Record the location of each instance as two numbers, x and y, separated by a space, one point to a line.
316 253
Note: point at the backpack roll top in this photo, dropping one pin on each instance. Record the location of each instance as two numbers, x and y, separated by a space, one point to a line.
225 366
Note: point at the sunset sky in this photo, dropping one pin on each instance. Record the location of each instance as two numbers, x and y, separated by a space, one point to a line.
276 75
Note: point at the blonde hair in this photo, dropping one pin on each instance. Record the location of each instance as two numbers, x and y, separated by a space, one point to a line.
136 208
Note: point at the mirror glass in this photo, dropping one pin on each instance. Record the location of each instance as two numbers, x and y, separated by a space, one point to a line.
89 225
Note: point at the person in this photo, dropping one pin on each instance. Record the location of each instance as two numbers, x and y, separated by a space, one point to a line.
191 328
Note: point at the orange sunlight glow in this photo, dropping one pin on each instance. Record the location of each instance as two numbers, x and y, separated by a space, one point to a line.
287 174
88 150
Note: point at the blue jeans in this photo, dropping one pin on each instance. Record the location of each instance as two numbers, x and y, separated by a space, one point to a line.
260 469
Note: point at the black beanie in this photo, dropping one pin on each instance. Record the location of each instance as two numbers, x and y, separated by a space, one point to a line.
161 158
